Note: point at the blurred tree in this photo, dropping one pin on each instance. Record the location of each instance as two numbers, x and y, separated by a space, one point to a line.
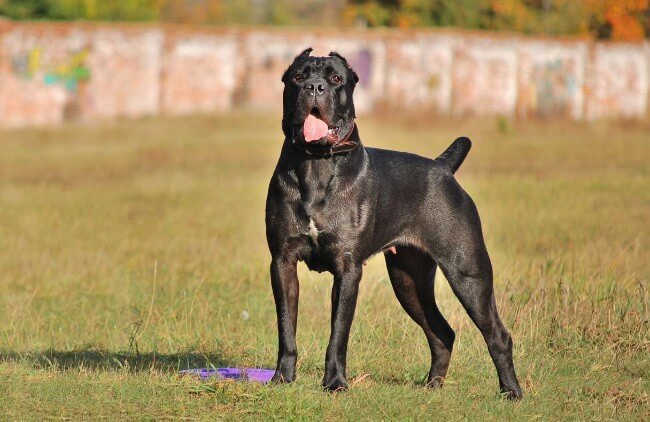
413 13
616 19
560 17
462 13
190 11
24 9
102 9
510 15
367 13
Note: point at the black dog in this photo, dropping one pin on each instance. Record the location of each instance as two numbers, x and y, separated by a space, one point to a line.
333 204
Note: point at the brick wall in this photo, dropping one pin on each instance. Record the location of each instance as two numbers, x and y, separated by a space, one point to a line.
53 72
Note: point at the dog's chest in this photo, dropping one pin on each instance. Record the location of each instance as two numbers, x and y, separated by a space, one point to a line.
322 225
315 230
332 226
330 213
321 243
312 231
317 202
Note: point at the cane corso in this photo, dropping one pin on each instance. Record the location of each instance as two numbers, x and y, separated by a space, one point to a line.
333 203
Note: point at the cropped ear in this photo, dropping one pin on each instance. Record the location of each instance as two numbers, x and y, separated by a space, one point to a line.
336 55
354 75
305 53
285 74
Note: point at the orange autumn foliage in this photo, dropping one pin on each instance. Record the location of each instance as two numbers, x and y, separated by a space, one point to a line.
623 17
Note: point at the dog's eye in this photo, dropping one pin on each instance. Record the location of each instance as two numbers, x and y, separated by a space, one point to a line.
298 77
336 79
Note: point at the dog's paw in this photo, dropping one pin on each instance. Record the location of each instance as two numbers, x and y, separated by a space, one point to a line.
335 385
282 378
285 371
435 382
513 394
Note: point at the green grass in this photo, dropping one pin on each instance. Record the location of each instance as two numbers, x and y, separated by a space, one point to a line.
130 250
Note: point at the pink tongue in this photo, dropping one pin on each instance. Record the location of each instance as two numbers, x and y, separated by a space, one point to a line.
314 128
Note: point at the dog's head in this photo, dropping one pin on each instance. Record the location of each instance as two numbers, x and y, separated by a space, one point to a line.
317 99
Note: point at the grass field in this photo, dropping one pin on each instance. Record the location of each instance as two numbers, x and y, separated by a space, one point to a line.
130 250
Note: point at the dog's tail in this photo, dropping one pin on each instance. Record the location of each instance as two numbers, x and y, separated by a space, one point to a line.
454 156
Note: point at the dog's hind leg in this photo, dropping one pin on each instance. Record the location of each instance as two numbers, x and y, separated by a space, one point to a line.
470 275
412 274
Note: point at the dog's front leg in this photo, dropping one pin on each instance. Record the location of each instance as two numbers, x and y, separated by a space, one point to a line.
344 301
284 279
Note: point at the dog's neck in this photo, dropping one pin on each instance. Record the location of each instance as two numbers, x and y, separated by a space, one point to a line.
318 180
316 177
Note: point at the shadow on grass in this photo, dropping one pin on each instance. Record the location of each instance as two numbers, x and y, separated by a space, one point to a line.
104 360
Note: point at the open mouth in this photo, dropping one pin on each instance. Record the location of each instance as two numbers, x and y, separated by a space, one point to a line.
316 129
316 113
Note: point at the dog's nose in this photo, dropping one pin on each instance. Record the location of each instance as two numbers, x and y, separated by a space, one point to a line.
316 86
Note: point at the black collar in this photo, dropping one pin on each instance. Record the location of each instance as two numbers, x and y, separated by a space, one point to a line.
323 151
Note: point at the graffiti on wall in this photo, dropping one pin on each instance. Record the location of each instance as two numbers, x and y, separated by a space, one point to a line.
361 62
188 71
554 87
69 71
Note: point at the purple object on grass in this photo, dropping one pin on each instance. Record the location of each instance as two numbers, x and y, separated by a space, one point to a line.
246 374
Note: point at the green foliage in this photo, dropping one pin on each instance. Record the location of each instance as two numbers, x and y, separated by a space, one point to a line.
23 9
281 13
620 19
103 9
463 13
553 17
369 13
80 9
